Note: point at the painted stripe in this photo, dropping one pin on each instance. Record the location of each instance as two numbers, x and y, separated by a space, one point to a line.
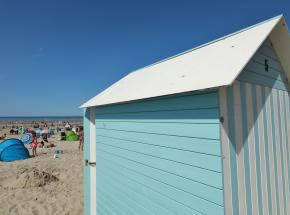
287 116
233 161
280 143
267 156
239 149
270 149
93 174
252 153
262 150
257 149
287 104
246 131
226 152
274 146
287 121
284 149
278 151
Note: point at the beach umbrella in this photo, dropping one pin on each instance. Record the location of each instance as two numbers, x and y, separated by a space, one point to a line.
26 138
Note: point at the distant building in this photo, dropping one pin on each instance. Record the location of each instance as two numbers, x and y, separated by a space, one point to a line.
204 132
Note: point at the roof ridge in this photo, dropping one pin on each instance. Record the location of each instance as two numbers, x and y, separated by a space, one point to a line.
209 43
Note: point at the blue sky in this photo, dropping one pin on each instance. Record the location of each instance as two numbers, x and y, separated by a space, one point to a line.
55 55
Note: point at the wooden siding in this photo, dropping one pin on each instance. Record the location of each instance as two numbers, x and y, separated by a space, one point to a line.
160 156
255 139
255 72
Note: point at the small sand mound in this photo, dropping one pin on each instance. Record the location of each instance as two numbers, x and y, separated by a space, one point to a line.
26 178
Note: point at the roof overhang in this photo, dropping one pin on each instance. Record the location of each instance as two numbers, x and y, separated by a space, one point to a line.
281 42
212 65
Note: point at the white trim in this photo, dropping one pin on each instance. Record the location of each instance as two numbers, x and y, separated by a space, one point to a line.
225 152
93 173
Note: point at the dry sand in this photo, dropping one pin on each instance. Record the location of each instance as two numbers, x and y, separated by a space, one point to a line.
43 185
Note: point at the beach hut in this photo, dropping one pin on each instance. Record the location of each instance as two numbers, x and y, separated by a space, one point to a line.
203 132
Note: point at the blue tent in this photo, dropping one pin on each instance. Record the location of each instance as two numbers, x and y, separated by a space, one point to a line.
12 150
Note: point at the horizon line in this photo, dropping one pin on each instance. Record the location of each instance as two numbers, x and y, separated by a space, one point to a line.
44 116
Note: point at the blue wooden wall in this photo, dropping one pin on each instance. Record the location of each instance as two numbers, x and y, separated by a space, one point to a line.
160 156
255 138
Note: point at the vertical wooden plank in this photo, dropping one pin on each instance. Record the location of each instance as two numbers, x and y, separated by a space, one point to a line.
267 160
284 149
274 145
239 149
225 152
252 151
287 130
281 148
262 150
278 150
246 149
257 149
233 150
270 149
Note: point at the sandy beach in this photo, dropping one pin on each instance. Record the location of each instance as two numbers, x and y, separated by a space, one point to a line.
43 185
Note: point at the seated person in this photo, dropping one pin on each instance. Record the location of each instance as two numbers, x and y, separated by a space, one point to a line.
62 136
3 137
44 137
41 144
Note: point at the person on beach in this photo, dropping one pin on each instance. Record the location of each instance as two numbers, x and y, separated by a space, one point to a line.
34 145
81 138
3 137
67 126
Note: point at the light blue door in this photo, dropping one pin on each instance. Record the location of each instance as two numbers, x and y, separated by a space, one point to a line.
160 156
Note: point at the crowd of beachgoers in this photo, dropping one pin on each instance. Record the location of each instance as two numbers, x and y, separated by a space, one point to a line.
45 183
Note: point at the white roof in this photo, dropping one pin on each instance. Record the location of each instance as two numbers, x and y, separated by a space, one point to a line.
212 65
